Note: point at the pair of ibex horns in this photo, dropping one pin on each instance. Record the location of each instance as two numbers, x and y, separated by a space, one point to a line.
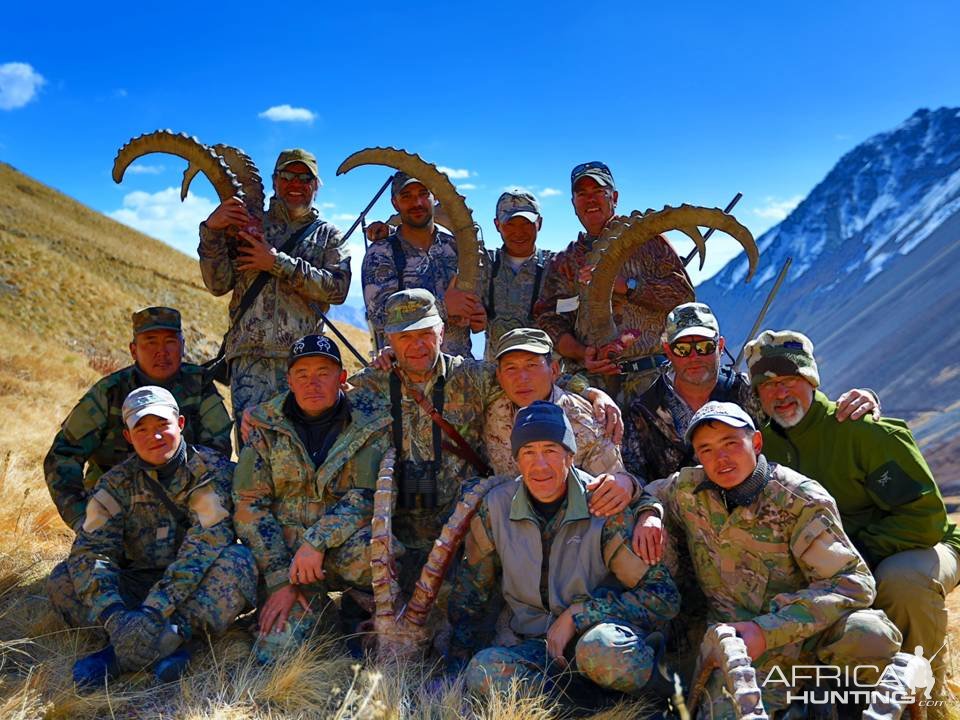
233 173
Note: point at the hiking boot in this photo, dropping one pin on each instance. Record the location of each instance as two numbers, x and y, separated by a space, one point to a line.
170 668
96 669
662 680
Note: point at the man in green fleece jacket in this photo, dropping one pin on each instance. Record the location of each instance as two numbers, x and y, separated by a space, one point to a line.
889 503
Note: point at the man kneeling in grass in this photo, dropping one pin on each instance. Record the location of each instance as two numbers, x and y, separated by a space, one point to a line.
583 604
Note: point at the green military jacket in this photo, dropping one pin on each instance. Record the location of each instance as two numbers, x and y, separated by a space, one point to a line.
282 500
886 494
90 440
783 561
128 527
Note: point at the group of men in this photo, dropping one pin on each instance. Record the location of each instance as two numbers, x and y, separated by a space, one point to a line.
815 529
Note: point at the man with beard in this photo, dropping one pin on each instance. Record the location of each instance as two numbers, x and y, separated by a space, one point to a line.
418 254
657 420
313 273
889 502
661 283
91 440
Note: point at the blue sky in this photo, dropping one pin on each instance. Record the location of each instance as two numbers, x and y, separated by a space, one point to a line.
687 102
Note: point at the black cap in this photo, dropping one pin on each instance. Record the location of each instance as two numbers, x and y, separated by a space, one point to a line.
314 345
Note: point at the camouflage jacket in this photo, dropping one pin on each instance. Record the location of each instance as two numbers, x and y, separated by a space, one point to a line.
508 294
283 500
469 387
662 285
782 561
431 270
127 527
315 273
634 593
887 496
596 454
656 421
92 434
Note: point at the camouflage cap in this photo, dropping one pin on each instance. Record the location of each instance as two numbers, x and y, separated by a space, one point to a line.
411 310
517 203
298 155
149 400
314 346
775 354
726 412
401 180
156 318
595 169
690 319
531 340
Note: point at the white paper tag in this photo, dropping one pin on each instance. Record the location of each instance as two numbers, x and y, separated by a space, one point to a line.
565 305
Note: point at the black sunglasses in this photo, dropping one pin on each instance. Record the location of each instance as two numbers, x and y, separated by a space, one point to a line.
289 175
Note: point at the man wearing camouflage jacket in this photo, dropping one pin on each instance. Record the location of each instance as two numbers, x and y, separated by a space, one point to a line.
303 490
155 561
91 440
315 273
771 557
594 601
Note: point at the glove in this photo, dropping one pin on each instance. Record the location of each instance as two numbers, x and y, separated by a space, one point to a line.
134 635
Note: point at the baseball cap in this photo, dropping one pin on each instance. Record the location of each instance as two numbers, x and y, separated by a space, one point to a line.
414 309
595 169
149 400
517 203
156 318
728 413
532 340
690 319
298 155
401 180
314 346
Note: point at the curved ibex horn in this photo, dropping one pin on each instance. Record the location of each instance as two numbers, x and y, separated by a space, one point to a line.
461 218
247 174
723 650
200 158
623 237
401 629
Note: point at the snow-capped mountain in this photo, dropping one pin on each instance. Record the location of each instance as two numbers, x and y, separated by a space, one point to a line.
873 283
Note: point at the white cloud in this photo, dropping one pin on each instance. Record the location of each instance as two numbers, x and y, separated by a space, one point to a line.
328 205
19 83
550 192
138 169
777 210
466 186
345 217
514 188
287 113
163 216
120 93
455 173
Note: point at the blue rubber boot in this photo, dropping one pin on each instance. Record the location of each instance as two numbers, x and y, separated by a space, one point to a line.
95 670
170 668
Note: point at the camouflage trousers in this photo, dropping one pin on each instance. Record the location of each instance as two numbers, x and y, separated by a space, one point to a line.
254 380
611 655
345 567
228 588
863 639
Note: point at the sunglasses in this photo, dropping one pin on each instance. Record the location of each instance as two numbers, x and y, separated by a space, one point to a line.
593 165
703 347
289 175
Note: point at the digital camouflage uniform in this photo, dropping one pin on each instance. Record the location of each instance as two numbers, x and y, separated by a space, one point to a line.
596 453
314 274
283 500
90 440
508 294
784 562
430 269
662 285
623 598
132 550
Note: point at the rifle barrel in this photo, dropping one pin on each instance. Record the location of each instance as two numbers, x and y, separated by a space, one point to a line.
763 311
364 212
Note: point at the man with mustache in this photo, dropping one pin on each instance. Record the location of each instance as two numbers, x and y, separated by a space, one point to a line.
419 254
91 439
889 502
314 273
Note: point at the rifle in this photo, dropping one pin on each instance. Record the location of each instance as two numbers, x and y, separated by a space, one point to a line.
363 217
727 209
763 311
460 447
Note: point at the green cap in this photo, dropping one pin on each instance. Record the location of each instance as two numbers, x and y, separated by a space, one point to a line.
298 155
690 319
411 310
156 318
531 340
779 354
